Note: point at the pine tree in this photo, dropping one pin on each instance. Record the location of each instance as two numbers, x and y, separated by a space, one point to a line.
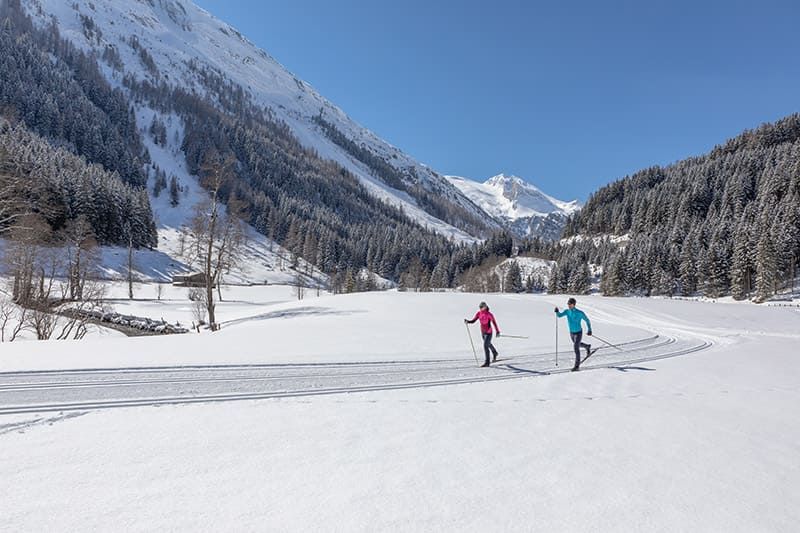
611 282
159 184
766 275
174 192
579 281
688 275
553 281
349 281
663 282
439 276
513 278
741 266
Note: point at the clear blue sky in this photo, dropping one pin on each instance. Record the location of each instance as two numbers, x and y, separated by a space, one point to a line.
569 95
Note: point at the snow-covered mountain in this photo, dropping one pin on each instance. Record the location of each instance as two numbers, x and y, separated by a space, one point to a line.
521 206
176 40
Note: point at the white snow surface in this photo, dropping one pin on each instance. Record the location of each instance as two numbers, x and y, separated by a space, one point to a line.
512 198
705 441
176 33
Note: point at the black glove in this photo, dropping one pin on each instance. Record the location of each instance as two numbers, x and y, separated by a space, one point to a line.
556 309
466 321
589 333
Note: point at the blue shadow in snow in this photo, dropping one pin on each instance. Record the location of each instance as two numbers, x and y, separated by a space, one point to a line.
627 368
523 370
292 313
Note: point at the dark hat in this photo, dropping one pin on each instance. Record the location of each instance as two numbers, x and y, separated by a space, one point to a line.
571 301
483 304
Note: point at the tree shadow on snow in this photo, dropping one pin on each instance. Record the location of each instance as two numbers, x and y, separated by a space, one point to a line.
627 368
293 313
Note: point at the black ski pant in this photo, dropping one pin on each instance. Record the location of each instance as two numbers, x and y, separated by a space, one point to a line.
576 342
488 346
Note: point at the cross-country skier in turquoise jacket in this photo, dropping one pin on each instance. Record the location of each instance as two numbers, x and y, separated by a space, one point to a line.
574 318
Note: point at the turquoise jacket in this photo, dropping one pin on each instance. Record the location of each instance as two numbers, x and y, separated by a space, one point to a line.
574 317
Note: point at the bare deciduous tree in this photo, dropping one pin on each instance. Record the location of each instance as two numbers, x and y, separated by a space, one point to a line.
75 319
41 318
8 312
128 229
82 258
37 262
215 237
25 256
299 288
197 296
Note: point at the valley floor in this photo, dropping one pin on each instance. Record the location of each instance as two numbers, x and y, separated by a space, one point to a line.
706 440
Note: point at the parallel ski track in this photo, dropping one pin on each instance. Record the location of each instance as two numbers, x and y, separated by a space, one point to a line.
401 368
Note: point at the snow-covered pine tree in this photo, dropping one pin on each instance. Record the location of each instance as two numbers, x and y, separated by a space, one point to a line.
579 280
553 281
174 192
513 278
717 281
741 262
766 267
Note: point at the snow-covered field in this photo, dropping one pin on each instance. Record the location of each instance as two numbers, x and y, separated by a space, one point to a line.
707 440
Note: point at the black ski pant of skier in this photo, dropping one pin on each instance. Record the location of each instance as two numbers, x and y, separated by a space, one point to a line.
488 346
576 342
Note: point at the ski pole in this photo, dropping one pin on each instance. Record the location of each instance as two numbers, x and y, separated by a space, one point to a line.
606 342
472 344
556 339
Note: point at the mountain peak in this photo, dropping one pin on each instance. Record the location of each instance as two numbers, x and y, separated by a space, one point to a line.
503 178
517 202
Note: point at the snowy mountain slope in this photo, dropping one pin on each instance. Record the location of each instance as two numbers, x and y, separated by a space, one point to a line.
264 261
525 209
179 37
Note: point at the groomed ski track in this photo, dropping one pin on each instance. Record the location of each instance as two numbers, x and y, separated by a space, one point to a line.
92 389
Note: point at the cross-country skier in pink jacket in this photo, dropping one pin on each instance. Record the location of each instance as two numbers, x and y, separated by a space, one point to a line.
487 320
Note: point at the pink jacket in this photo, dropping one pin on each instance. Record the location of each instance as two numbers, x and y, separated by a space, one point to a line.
486 319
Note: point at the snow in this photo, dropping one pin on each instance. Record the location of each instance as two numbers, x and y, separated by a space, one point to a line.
620 240
424 326
174 306
176 33
704 441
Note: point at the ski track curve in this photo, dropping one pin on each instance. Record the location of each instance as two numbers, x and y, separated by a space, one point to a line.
93 389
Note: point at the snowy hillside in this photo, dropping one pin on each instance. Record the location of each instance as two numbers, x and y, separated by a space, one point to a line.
525 209
180 39
265 261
